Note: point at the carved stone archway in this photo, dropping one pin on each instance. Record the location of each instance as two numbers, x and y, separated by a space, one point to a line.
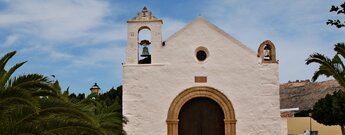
201 91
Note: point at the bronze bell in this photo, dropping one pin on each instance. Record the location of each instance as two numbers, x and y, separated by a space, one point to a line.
145 52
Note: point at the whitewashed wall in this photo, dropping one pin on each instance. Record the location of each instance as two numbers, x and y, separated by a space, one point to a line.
232 68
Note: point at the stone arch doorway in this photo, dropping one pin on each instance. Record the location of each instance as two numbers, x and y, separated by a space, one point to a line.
201 116
199 92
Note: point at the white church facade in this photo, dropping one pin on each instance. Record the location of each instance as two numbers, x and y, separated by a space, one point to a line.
200 81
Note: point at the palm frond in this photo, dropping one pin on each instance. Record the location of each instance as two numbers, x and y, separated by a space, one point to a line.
8 74
33 104
67 125
16 97
338 62
12 115
328 67
318 58
3 61
56 106
36 84
72 130
340 49
321 72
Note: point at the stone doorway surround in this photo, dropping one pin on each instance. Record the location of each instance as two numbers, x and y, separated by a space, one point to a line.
201 91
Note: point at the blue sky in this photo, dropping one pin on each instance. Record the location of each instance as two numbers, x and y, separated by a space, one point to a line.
83 41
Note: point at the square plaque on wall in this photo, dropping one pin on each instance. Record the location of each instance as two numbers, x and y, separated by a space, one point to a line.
200 79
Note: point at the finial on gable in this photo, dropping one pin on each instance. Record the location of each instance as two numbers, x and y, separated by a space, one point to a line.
145 8
144 15
200 17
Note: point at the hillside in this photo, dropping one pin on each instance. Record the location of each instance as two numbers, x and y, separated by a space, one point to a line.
304 94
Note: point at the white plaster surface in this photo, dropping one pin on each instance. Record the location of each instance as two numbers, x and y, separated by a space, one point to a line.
231 68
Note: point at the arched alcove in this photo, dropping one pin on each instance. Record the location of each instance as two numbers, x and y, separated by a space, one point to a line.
267 52
201 91
144 45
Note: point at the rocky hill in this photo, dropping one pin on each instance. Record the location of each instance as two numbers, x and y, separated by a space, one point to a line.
304 94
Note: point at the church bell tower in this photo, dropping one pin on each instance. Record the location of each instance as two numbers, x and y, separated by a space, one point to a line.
142 51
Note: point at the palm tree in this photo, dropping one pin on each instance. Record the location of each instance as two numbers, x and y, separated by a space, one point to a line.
16 95
330 67
33 104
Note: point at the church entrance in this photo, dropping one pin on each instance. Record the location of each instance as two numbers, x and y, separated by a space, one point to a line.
201 110
201 116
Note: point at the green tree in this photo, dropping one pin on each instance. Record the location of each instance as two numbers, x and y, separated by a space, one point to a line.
338 10
109 103
331 110
111 96
303 113
330 67
108 114
33 104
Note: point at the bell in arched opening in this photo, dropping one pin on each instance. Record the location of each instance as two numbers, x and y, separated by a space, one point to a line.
145 53
267 52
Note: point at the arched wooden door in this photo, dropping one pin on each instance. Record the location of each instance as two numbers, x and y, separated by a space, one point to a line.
201 116
173 120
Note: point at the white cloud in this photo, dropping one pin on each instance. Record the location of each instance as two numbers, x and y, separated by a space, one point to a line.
98 57
61 29
10 40
58 20
114 32
49 52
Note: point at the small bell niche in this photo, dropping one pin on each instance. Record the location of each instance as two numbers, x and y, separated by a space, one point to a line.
144 46
267 52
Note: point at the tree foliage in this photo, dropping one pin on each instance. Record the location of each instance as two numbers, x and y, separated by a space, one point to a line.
303 113
331 110
33 104
340 10
330 67
111 96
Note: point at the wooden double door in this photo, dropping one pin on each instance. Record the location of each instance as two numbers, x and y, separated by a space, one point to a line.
201 116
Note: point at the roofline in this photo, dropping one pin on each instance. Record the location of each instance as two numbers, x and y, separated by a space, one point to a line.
228 36
133 21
